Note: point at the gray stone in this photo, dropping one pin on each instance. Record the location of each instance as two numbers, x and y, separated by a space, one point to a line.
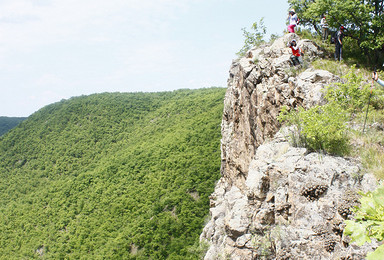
243 240
273 198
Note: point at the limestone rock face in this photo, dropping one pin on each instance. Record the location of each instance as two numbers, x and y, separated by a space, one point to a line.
275 201
292 206
258 87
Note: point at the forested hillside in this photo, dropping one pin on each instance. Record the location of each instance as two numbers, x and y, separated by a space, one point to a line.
111 176
7 123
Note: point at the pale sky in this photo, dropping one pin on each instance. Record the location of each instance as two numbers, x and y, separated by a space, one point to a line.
56 49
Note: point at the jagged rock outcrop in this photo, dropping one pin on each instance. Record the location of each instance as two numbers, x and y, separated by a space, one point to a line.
259 85
292 206
275 201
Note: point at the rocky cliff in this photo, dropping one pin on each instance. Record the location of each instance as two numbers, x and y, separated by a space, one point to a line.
275 201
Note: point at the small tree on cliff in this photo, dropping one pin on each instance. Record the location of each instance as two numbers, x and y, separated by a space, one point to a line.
253 38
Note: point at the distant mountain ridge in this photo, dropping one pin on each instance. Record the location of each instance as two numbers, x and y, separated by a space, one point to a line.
7 123
111 176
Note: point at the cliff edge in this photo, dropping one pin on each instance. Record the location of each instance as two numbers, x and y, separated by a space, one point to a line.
275 201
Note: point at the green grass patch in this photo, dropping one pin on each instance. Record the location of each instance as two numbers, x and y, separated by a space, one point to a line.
332 128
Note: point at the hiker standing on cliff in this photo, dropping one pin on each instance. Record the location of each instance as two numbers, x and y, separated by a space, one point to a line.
324 26
376 78
293 20
296 52
339 44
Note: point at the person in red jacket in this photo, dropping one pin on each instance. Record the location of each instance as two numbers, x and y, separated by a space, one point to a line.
296 52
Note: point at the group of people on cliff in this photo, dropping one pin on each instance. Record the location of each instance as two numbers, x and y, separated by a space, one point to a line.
336 39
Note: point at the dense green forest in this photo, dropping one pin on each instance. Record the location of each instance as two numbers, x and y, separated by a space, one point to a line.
7 123
111 176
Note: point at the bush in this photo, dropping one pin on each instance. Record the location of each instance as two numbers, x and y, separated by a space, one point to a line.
320 128
352 95
324 128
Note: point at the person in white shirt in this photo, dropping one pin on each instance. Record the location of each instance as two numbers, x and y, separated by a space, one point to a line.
324 26
293 20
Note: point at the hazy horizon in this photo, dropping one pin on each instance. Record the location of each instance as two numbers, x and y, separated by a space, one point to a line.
52 50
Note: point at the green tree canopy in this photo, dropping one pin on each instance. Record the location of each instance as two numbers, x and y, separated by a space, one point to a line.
7 123
111 176
363 20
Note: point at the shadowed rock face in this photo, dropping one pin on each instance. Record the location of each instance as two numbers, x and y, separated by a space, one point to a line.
275 201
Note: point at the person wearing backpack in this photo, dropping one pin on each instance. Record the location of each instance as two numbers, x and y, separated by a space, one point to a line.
293 20
339 44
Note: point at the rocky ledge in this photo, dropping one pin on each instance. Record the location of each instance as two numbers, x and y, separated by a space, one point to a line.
292 206
275 201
